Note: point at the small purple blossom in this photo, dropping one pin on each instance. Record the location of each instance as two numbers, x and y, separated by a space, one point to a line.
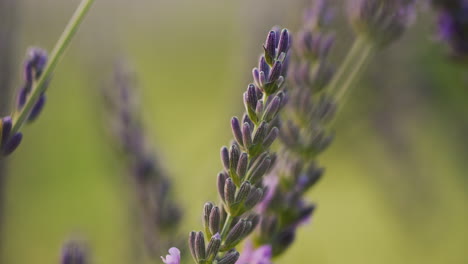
173 257
251 255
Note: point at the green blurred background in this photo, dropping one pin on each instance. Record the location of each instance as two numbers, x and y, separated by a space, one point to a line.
396 180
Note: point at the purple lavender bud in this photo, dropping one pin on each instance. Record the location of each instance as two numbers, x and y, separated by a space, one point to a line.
263 66
256 76
260 133
234 154
236 130
275 72
230 258
206 217
12 144
6 125
247 135
254 198
73 252
192 241
37 108
283 45
263 80
243 192
200 251
225 157
215 220
270 47
252 96
22 96
229 193
246 119
260 170
271 137
272 109
221 182
242 165
213 247
235 235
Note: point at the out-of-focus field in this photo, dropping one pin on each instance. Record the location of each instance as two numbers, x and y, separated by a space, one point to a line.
395 189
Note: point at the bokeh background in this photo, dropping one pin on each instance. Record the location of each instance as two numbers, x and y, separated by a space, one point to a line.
395 189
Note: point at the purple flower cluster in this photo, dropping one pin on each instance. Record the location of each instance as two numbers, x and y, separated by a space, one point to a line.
453 25
245 162
152 186
381 21
303 136
74 252
33 68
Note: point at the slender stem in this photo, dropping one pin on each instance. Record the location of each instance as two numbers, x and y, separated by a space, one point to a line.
57 53
348 62
363 57
226 226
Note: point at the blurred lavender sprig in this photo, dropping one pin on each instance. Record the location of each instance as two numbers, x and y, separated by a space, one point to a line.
303 136
452 27
74 252
315 93
247 160
160 215
38 69
33 68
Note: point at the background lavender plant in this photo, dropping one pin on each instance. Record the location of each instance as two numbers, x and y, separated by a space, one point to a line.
312 105
452 25
8 20
159 214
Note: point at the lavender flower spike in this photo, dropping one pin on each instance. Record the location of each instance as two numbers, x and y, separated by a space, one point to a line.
453 26
74 252
151 184
246 161
251 255
173 257
381 21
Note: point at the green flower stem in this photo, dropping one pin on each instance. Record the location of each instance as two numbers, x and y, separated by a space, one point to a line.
360 59
227 225
20 117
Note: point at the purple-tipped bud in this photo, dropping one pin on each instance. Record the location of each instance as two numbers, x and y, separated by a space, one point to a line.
213 247
234 154
247 135
260 133
74 252
258 172
37 108
230 258
200 251
272 109
256 76
229 193
221 182
236 130
259 108
235 235
271 137
283 45
6 125
254 198
22 96
12 144
192 241
242 165
263 66
243 193
215 220
252 96
270 47
225 157
275 72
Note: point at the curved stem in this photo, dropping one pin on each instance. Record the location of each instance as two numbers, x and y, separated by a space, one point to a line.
20 117
226 226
